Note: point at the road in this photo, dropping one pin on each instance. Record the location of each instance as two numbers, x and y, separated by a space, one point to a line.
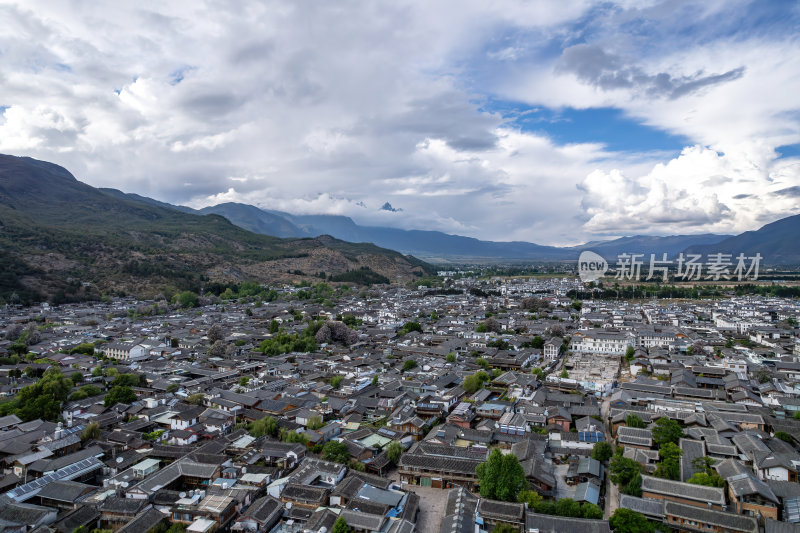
612 492
432 503
562 489
612 498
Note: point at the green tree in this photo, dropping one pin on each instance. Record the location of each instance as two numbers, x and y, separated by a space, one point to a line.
783 436
502 527
568 507
591 511
634 486
602 451
42 399
409 365
666 430
501 477
119 394
336 452
408 327
76 377
244 380
564 374
531 497
274 326
393 451
173 387
629 353
340 526
186 299
293 437
627 521
315 422
634 421
480 361
196 399
86 348
670 465
336 381
704 463
623 469
538 372
91 431
375 380
264 426
474 382
451 358
709 480
91 390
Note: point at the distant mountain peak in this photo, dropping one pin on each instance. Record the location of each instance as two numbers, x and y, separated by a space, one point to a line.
388 207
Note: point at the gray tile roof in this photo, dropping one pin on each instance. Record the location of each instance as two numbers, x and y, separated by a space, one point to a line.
561 524
712 517
692 449
687 491
647 507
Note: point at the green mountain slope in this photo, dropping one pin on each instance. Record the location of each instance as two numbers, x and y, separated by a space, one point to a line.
62 239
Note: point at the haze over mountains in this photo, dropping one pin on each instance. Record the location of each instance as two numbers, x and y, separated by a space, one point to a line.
773 241
438 246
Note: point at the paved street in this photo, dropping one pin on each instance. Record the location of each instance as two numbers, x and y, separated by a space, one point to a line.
562 489
432 504
612 492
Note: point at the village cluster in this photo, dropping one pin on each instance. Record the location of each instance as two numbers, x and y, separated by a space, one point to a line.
378 410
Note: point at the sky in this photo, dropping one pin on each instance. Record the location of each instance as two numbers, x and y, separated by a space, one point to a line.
555 122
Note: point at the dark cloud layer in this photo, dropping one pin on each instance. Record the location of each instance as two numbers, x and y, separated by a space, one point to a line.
608 72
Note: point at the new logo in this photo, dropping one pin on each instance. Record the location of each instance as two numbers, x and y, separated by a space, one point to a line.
591 266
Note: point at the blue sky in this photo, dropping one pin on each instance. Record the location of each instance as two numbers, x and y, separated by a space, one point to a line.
552 121
603 125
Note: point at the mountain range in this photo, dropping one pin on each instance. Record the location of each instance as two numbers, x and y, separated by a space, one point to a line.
442 247
63 239
775 241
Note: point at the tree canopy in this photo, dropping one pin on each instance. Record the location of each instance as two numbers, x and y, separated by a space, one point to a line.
119 394
264 426
501 477
670 465
475 381
42 399
336 452
410 364
340 526
666 430
634 421
627 521
623 469
602 451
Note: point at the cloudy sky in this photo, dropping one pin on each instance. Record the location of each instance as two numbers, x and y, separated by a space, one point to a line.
550 121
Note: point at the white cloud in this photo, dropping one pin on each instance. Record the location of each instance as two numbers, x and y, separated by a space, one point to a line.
330 107
701 190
